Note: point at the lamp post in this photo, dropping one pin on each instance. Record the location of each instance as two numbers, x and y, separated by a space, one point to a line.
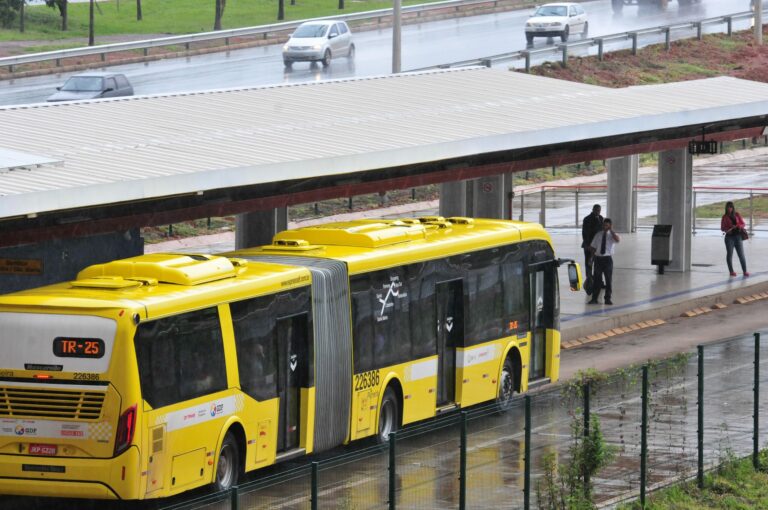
90 25
396 37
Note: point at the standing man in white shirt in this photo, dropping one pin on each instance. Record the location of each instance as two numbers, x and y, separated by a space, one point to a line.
602 246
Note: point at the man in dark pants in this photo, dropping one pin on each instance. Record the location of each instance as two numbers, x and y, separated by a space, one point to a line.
603 246
592 224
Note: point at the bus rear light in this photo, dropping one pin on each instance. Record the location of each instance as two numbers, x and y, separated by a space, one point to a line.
125 430
43 376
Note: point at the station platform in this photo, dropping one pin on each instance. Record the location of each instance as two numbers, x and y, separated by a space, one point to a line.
641 296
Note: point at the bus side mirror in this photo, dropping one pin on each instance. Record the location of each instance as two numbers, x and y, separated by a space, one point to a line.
574 276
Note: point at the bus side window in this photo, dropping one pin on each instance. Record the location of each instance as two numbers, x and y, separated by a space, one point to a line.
180 357
255 338
483 295
515 296
421 287
362 323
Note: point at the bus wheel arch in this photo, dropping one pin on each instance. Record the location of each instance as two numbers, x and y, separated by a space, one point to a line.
231 449
510 379
390 416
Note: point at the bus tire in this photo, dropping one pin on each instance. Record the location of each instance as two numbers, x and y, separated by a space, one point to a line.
506 386
389 416
227 464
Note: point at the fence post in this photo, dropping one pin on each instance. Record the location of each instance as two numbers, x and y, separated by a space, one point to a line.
392 478
522 205
463 463
756 409
234 501
698 30
644 439
700 419
633 36
729 22
600 50
693 221
349 204
667 38
527 55
543 212
586 390
313 497
527 456
564 50
576 224
751 212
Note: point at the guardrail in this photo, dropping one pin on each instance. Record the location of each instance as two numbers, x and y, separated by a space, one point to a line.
226 35
564 48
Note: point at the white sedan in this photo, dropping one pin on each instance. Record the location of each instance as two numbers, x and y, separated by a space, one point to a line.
557 20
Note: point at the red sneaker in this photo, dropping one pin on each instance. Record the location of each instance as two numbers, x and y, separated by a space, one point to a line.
733 274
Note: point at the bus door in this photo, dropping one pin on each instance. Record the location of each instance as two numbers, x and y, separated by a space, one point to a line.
450 334
538 325
292 363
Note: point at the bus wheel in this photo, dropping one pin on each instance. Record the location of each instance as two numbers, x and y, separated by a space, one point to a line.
388 416
506 386
228 465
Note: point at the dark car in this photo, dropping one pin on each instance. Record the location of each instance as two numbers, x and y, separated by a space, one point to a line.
93 85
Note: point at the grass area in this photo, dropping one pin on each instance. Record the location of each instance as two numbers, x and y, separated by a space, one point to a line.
175 17
734 486
759 205
688 59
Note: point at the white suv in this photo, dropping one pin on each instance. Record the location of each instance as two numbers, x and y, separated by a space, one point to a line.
319 41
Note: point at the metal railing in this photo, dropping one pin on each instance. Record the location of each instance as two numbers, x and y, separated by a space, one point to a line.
529 55
663 422
226 35
565 206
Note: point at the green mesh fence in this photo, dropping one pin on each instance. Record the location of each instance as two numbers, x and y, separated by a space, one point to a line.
495 457
428 455
427 465
289 490
356 480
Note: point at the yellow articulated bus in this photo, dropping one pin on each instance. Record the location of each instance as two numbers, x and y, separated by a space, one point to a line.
149 376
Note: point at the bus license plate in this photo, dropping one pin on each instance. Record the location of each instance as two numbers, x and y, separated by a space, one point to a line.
43 449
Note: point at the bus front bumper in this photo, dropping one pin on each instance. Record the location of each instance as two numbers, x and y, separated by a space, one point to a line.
62 477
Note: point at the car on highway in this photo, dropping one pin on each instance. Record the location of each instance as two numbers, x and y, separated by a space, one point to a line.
319 41
92 85
557 20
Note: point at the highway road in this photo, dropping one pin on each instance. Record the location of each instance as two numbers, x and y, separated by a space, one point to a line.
424 45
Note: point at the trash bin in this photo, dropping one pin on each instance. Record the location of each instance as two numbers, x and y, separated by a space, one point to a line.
661 246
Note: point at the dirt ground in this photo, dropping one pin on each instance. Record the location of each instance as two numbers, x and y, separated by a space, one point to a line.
688 59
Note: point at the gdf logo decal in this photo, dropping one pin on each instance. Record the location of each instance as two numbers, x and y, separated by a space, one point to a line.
216 409
19 430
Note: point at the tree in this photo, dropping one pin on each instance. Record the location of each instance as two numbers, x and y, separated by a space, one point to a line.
220 6
61 5
9 9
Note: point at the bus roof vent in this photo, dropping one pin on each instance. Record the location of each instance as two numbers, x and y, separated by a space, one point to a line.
176 268
290 245
357 233
435 222
106 282
461 220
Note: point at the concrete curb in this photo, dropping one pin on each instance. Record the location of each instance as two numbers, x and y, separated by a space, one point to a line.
661 311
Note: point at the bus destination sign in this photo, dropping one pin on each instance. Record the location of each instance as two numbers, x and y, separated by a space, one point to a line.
66 347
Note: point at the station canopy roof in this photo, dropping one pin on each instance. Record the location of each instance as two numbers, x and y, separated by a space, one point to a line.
148 147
